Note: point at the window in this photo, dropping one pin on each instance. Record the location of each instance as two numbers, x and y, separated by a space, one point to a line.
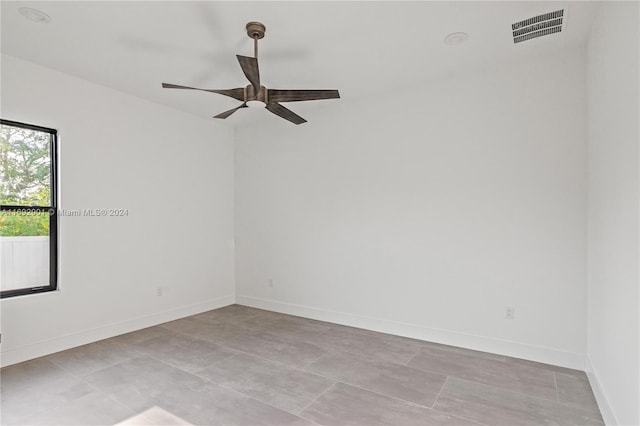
28 209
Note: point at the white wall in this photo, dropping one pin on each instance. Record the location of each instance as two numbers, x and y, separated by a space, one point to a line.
427 211
172 171
613 212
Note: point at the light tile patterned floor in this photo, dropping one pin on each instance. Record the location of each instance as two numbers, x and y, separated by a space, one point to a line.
245 366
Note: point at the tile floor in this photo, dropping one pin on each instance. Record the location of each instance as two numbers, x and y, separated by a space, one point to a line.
245 366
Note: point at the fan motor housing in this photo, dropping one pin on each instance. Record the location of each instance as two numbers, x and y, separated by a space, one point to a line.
250 95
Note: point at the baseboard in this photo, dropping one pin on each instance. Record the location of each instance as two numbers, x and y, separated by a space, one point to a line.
60 343
447 337
601 398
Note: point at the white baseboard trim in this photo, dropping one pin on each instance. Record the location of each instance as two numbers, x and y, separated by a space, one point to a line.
60 343
480 343
601 397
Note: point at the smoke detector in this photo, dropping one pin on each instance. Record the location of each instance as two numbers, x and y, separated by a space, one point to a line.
538 26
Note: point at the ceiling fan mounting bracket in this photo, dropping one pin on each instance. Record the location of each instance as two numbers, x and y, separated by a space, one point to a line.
255 30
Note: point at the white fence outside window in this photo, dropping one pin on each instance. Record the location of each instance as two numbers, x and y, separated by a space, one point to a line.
24 262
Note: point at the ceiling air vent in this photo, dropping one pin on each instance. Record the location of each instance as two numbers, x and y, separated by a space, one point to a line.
538 26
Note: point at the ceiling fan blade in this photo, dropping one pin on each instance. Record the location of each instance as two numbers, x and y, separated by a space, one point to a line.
233 93
249 67
276 95
231 111
285 113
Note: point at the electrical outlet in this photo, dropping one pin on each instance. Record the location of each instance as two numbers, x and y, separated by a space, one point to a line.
159 291
271 282
510 313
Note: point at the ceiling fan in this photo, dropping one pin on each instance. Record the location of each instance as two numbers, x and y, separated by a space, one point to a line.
254 93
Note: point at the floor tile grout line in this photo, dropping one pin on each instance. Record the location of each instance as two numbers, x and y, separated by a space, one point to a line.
305 368
96 387
461 417
491 384
331 379
410 403
555 383
311 363
325 332
537 398
64 370
371 360
240 350
41 411
225 387
440 391
92 386
417 345
340 380
170 364
260 400
236 390
412 357
349 352
331 386
592 409
302 369
80 376
417 404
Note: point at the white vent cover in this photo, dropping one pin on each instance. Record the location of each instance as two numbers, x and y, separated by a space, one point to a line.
538 26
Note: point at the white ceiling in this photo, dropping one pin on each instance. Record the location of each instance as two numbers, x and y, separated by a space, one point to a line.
360 48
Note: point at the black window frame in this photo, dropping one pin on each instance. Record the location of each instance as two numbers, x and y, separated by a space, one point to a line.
52 210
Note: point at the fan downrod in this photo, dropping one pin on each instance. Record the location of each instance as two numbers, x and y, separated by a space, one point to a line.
255 30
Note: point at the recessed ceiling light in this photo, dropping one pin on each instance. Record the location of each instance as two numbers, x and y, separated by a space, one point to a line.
456 38
35 15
